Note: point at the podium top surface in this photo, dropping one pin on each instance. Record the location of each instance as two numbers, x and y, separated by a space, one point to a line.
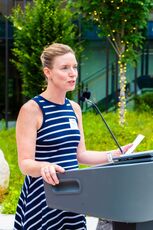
135 157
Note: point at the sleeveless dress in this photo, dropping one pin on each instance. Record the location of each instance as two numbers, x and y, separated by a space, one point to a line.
56 142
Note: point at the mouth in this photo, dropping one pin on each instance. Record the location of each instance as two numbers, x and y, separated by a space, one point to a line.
71 82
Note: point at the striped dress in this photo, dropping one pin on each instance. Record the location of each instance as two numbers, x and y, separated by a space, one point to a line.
57 142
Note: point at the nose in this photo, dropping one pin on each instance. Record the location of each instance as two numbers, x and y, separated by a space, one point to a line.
73 72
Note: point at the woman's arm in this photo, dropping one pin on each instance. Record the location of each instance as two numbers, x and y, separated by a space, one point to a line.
92 157
28 122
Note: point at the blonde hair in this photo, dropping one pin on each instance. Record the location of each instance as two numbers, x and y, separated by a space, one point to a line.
49 53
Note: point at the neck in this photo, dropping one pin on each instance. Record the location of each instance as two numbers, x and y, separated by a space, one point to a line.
54 96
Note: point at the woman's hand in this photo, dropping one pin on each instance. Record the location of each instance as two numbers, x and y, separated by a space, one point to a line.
124 148
49 173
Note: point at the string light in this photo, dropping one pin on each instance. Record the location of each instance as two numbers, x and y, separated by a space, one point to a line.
117 36
122 98
95 12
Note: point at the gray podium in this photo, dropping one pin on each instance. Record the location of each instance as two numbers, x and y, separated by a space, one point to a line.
122 193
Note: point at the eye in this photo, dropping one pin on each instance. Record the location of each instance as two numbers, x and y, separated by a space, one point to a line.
65 67
75 67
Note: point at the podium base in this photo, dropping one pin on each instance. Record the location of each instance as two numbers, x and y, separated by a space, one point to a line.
133 226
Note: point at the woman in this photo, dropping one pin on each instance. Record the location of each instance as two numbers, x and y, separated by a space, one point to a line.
50 139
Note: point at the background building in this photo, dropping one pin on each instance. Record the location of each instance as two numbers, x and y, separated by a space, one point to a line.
99 68
10 91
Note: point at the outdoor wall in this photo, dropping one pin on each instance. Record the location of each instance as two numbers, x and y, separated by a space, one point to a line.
93 69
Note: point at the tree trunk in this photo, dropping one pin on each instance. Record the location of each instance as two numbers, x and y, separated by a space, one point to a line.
122 99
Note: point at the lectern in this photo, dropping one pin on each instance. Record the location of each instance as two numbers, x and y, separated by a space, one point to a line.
121 192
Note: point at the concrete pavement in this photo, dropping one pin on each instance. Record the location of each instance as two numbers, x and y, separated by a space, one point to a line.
6 222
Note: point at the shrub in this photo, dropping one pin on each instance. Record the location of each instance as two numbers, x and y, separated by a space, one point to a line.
8 146
144 102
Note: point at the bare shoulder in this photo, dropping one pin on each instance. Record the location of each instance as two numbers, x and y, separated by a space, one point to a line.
29 107
76 108
29 113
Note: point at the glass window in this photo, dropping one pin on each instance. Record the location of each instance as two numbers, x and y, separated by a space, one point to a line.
22 3
6 6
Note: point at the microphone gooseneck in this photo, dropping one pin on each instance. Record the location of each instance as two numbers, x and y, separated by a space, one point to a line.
97 109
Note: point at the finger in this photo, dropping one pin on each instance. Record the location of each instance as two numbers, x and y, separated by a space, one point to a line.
53 175
49 173
60 169
53 170
45 172
126 147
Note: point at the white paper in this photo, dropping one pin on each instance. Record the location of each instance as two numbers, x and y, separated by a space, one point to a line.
135 143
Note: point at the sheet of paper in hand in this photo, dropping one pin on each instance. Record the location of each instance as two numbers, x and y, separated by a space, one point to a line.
135 143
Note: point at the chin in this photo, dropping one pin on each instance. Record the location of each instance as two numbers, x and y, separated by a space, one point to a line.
71 89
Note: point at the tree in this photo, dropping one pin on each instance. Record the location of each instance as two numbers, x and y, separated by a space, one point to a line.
123 22
38 25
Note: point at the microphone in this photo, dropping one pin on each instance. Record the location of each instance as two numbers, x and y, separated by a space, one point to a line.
85 97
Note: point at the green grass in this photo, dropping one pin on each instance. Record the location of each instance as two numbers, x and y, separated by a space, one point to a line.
8 146
97 137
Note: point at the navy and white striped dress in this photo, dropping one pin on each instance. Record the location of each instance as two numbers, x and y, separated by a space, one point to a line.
57 142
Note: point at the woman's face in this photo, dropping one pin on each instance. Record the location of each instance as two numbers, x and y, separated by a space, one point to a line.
64 72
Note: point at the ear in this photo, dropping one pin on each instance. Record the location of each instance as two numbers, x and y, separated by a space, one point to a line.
47 72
